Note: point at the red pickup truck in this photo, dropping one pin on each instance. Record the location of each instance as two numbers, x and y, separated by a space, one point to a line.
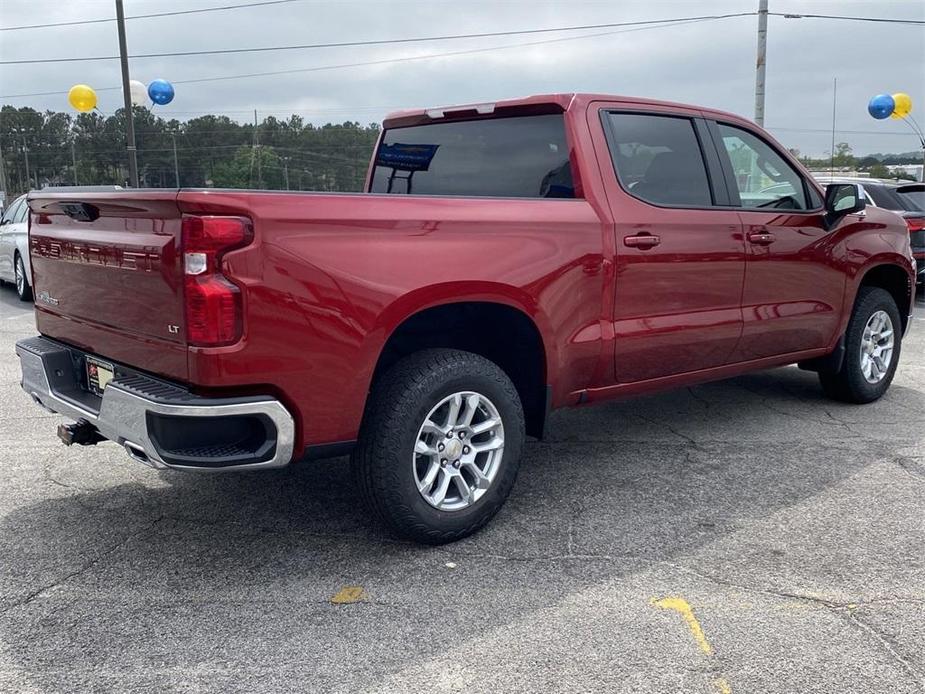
507 259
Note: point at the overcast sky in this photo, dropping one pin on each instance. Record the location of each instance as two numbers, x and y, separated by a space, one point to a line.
707 63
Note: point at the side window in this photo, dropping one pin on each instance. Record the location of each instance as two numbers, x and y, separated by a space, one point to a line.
815 200
658 159
23 214
12 211
763 177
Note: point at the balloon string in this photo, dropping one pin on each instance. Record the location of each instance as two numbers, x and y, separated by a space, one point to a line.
910 121
918 128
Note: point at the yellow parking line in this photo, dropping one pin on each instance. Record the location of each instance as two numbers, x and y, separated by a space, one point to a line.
681 606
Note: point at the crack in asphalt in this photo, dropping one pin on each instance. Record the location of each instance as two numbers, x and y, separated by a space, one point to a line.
845 609
887 645
765 401
699 398
83 569
683 437
911 468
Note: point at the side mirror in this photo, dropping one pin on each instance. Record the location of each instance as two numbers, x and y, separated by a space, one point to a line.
842 199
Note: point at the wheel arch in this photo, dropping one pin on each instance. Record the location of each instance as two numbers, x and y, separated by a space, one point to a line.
497 322
894 279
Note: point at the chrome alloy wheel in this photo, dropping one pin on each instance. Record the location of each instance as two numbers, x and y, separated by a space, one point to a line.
877 347
458 451
20 276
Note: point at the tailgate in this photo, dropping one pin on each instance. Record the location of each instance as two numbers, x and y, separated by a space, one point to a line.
107 275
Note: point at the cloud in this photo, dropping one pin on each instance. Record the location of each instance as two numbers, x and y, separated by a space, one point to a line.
710 63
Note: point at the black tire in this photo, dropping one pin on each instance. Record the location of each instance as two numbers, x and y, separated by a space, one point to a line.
849 383
24 289
399 403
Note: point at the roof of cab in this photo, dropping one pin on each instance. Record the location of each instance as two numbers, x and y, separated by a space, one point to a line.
537 103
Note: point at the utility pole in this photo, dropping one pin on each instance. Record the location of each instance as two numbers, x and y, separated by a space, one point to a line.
25 152
176 166
761 61
286 171
74 163
834 105
127 100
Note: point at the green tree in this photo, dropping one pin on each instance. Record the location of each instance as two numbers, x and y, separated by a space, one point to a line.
843 155
250 167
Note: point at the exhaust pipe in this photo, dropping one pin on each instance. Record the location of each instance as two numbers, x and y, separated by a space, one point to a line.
81 432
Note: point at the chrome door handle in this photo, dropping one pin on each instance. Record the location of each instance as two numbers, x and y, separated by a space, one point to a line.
641 241
761 238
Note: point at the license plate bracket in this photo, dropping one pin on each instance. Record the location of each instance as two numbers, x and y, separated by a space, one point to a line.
99 374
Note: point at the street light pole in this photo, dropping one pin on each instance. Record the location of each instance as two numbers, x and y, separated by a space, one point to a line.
761 61
127 98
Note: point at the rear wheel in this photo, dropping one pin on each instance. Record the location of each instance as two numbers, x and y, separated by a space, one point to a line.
872 346
23 290
440 445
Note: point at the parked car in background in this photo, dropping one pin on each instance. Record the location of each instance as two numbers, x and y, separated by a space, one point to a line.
506 259
14 248
903 197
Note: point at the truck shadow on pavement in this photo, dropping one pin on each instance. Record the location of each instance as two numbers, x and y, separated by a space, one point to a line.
120 576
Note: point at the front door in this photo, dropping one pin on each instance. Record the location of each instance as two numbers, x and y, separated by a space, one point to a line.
680 256
793 286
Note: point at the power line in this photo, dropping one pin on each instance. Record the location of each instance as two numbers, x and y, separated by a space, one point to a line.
840 131
883 20
383 42
148 16
386 61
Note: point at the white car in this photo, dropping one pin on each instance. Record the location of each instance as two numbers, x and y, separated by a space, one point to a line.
14 248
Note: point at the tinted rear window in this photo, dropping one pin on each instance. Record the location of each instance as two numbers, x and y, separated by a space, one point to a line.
519 157
883 196
914 199
658 159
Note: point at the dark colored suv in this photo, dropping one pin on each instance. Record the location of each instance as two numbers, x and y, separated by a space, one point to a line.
904 198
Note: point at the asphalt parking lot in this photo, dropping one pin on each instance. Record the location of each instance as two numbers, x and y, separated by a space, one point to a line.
742 536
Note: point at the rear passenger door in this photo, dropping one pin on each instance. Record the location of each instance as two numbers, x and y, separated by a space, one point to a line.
794 287
680 255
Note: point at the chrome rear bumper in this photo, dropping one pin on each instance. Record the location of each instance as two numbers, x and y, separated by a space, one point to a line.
160 423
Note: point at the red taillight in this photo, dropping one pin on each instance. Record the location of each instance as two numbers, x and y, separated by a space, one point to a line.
915 223
214 306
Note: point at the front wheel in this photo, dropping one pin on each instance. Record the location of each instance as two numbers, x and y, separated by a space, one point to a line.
23 290
872 345
440 445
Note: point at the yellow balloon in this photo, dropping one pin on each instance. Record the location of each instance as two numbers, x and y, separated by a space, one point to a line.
903 105
82 98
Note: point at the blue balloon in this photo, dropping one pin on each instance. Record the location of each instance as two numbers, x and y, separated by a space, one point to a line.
881 106
161 92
